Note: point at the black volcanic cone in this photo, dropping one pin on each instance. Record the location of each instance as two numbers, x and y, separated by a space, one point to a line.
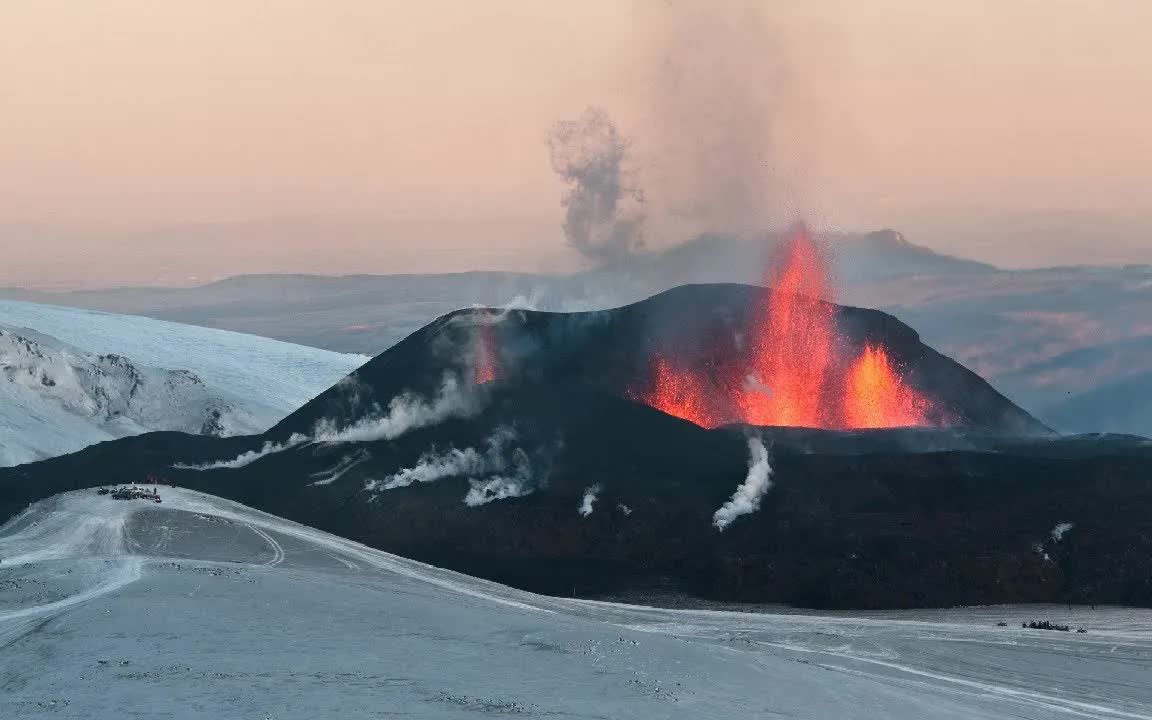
610 351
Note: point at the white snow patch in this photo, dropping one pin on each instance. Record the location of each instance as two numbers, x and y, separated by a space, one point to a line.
747 497
71 378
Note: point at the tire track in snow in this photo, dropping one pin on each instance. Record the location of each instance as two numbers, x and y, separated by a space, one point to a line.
277 550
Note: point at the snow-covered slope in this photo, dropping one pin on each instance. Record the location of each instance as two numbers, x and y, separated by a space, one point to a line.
70 378
201 607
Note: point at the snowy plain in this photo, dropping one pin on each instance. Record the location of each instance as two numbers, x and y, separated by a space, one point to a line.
201 607
61 391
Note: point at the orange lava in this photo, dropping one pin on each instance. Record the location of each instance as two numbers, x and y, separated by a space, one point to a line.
876 396
793 370
791 341
486 370
678 392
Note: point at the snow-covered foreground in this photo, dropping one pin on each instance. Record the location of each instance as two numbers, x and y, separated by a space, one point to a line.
200 607
71 378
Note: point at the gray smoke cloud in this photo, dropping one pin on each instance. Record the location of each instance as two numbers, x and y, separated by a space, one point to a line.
729 125
604 214
746 499
726 139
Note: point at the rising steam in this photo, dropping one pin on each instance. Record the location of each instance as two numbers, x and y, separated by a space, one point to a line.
603 213
500 471
247 458
746 499
590 495
406 412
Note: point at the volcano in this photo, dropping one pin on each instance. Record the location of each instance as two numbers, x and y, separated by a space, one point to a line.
550 475
689 352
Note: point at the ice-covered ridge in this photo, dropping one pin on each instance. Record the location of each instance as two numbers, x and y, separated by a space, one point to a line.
70 378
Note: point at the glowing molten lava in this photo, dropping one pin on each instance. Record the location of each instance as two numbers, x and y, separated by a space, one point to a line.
791 339
486 370
678 392
876 397
793 370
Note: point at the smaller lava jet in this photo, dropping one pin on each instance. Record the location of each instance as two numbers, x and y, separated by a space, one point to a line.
875 396
795 369
486 368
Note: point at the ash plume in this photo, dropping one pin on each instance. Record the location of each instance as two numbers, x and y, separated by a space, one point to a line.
590 495
746 499
603 211
729 124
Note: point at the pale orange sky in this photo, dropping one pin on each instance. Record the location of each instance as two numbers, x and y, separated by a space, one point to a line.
120 118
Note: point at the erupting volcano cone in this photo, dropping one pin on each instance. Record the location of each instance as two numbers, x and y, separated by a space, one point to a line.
795 369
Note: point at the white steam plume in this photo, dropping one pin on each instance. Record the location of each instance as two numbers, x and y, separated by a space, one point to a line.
497 487
247 458
747 497
590 495
500 471
1061 530
405 413
603 216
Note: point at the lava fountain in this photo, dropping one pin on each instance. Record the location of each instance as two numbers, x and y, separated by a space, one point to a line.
794 369
485 367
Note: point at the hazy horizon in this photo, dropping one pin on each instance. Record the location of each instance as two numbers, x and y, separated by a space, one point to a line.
383 137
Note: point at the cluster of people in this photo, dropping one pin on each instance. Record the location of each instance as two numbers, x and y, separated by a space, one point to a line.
132 493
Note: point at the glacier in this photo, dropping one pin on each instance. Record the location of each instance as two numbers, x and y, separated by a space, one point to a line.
70 378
